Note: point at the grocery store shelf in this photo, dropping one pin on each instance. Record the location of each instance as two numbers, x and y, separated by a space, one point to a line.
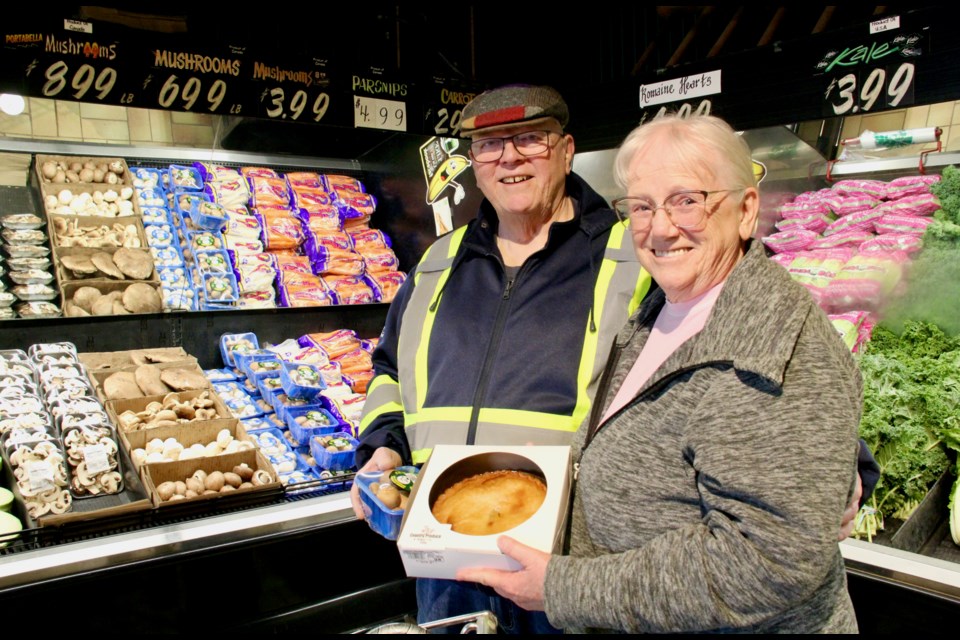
245 527
904 568
175 154
900 166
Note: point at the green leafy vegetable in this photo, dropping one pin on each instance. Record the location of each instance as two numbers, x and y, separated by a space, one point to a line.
911 411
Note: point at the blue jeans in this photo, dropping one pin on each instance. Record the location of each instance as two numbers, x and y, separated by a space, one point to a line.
438 599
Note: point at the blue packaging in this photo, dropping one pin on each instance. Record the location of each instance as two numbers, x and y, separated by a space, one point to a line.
340 460
270 441
208 215
146 178
259 364
161 235
301 380
155 215
184 178
382 519
231 343
215 261
269 387
306 422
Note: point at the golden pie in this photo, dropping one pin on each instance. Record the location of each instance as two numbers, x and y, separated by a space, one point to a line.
490 502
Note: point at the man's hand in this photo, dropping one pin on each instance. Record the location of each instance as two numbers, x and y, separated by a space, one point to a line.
524 586
850 515
383 459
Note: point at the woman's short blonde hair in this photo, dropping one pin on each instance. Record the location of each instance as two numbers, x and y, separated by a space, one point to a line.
687 139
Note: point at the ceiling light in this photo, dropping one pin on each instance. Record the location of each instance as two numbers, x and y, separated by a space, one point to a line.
12 104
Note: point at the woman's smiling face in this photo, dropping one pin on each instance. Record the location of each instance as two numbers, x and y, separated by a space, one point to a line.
687 263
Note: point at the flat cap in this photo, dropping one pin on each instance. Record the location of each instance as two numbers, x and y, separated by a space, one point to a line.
517 104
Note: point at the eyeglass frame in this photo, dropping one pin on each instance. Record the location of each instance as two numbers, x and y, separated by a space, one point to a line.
706 194
512 139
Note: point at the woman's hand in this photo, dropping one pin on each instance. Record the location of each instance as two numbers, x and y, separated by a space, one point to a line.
850 515
524 586
383 459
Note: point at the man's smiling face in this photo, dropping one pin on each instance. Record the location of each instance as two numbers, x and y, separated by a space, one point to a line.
527 186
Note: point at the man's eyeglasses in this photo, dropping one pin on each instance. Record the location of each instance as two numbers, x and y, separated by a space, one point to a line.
528 143
686 209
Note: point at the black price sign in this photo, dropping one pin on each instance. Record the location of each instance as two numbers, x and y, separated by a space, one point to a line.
106 64
293 91
871 75
78 81
443 107
866 90
193 82
71 67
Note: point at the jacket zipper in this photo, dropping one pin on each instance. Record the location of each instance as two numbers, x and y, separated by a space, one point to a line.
488 358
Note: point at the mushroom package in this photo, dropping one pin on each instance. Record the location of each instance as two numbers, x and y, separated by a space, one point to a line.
92 455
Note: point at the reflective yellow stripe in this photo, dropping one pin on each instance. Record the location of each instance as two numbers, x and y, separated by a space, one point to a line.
420 455
371 411
380 381
591 338
420 364
387 407
533 419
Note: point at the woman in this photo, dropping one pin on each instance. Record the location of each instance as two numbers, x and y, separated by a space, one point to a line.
713 476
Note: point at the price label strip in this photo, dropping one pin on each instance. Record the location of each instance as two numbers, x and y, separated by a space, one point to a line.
373 113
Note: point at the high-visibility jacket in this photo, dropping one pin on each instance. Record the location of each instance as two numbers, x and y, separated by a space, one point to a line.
470 355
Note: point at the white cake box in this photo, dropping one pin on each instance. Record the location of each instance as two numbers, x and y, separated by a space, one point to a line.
430 549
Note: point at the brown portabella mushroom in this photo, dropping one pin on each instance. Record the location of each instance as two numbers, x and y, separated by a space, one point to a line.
142 298
148 379
122 384
84 297
80 266
103 306
184 379
104 262
134 263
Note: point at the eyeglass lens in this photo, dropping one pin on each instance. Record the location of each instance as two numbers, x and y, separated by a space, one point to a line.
529 143
684 209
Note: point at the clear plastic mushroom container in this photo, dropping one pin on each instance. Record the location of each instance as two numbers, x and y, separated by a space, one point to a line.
40 473
93 461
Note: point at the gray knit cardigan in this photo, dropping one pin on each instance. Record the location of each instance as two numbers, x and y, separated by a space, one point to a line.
712 502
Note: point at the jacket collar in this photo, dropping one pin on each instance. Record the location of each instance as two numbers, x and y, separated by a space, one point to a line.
592 215
754 323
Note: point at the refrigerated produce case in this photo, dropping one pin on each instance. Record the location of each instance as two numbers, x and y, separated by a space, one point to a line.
280 562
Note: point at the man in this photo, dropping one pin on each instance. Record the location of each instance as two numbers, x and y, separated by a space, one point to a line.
501 333
506 322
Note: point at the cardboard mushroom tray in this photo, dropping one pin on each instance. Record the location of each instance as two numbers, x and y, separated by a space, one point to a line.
148 304
204 432
125 178
156 474
96 232
188 364
103 360
79 200
116 408
66 274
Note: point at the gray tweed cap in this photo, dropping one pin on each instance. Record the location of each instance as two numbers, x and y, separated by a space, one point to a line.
513 105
